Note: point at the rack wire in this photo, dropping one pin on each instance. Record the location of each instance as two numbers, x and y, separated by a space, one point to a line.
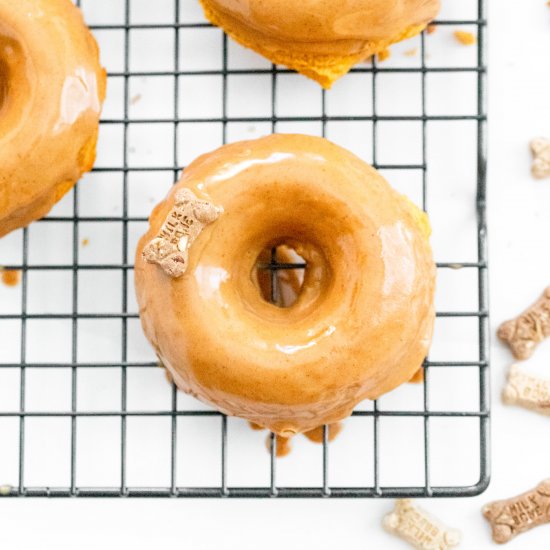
76 266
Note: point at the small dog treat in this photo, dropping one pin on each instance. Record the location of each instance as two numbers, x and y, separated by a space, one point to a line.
527 391
540 147
527 330
516 515
186 220
420 528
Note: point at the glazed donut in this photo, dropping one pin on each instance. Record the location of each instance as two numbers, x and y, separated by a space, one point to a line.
51 90
321 39
363 318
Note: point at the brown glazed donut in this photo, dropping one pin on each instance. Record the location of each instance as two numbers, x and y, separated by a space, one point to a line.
51 90
363 318
321 39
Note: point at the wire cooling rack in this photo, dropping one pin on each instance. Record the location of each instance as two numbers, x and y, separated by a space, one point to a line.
84 409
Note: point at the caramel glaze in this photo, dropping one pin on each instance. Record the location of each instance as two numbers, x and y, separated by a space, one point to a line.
364 317
284 445
10 277
317 434
51 90
322 39
418 377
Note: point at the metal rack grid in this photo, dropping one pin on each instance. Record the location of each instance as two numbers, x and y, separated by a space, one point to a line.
326 489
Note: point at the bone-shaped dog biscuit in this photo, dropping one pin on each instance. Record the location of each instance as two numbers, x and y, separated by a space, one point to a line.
540 147
527 391
183 225
516 515
420 528
527 330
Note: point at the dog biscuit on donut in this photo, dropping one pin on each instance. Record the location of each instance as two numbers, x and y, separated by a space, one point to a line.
363 316
51 91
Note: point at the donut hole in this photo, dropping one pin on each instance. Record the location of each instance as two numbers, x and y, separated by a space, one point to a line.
280 272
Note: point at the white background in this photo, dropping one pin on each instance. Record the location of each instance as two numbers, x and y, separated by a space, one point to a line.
519 90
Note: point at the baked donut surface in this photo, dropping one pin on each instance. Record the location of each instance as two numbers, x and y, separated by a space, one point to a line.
363 318
321 39
51 91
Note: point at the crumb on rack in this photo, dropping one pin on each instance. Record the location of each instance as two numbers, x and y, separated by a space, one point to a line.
465 38
384 54
85 242
411 53
11 277
5 490
135 99
432 27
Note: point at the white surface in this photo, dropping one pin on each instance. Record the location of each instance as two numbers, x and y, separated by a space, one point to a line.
519 110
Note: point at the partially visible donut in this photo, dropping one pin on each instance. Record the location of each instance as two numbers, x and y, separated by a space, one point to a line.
363 318
321 39
51 91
